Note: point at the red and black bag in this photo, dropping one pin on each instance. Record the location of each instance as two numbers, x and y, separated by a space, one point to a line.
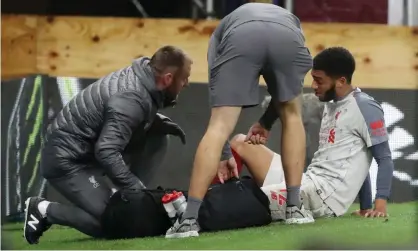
237 203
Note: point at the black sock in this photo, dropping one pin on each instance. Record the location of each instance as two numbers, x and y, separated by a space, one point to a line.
192 209
293 196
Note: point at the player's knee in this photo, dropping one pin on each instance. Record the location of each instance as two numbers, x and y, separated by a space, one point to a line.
238 139
223 120
218 131
237 142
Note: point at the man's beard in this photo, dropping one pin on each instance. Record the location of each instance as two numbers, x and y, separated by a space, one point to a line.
330 94
170 94
169 99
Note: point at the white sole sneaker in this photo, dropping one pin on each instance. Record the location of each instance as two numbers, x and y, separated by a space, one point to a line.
26 216
299 221
182 235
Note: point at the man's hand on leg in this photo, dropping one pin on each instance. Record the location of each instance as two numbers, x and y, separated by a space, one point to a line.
206 163
227 169
257 134
256 157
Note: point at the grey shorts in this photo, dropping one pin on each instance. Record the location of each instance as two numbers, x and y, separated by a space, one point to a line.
253 49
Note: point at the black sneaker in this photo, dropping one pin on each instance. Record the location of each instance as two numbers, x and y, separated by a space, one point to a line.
35 224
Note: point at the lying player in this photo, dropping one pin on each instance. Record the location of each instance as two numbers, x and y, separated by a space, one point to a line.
98 132
255 39
352 132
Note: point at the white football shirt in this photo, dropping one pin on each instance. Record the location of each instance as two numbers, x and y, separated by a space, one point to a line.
341 164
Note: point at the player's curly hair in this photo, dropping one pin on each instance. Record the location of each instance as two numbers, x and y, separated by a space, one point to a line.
336 62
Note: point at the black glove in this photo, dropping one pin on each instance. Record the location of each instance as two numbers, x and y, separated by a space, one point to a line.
165 125
136 187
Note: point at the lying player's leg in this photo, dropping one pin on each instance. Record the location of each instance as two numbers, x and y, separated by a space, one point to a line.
87 192
257 158
267 170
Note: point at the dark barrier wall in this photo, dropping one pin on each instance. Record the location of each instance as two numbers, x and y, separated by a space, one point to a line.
192 113
23 112
154 8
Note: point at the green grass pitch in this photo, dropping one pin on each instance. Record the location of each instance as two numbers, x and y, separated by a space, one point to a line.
399 231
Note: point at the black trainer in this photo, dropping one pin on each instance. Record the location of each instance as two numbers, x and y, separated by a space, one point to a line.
35 224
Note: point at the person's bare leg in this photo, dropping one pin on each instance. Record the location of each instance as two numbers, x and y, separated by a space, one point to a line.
257 158
293 159
205 166
222 122
293 147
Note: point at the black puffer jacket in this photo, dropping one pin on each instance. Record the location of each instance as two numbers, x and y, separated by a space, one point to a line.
98 123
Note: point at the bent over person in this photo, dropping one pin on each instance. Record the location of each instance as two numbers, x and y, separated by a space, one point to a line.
100 131
255 39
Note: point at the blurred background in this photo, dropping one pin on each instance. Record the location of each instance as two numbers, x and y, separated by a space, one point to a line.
53 49
392 12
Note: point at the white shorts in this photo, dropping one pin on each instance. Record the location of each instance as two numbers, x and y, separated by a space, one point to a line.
274 187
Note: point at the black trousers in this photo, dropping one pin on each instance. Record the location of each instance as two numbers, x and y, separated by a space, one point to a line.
89 191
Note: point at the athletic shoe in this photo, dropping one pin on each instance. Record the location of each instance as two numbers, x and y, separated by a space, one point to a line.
183 229
35 223
296 215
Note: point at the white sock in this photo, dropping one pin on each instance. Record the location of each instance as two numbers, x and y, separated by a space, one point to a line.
42 206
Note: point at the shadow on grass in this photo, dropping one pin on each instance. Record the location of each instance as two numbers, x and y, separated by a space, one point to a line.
12 228
88 238
326 244
81 239
103 240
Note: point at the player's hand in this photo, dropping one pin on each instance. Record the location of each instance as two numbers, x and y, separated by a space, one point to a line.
380 209
361 213
257 134
167 126
227 169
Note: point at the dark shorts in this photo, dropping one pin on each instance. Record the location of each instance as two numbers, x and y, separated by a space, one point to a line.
253 49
